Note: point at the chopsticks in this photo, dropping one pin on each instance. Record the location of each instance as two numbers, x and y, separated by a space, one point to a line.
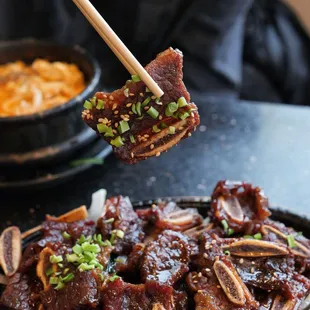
117 46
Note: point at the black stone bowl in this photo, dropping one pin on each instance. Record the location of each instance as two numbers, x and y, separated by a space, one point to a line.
52 135
298 221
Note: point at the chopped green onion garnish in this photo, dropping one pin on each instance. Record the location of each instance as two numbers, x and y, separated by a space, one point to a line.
163 125
81 239
87 161
93 101
113 278
182 102
227 252
112 238
87 247
102 128
146 101
101 276
106 243
54 280
171 130
132 139
157 100
66 235
109 132
248 237
90 255
68 277
147 90
120 259
138 108
85 267
135 78
88 105
230 232
152 112
55 259
111 220
133 108
155 129
171 108
60 286
225 225
126 92
66 271
117 142
183 115
140 118
123 127
60 265
100 104
119 233
291 241
49 271
258 236
299 233
77 249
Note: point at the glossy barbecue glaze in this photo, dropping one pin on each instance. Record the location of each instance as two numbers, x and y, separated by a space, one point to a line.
167 258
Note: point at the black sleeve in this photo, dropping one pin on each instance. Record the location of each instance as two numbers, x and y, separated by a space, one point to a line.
212 41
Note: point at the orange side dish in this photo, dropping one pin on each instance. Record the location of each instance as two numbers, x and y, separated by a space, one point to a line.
27 89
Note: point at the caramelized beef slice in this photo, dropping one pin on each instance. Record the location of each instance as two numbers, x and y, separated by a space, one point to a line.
22 292
119 295
240 204
133 104
273 274
278 232
167 215
211 296
119 215
166 259
131 263
82 292
53 232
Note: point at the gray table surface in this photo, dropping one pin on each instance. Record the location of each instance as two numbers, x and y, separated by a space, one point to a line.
265 144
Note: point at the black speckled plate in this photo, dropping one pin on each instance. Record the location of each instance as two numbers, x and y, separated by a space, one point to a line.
49 176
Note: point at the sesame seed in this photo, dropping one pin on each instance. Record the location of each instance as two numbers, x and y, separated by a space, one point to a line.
132 155
116 125
160 117
253 263
116 112
195 281
141 94
200 291
252 270
131 94
114 106
213 241
199 275
207 269
157 154
189 134
218 286
181 128
153 97
146 108
114 131
241 260
105 96
152 146
111 97
192 114
205 255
